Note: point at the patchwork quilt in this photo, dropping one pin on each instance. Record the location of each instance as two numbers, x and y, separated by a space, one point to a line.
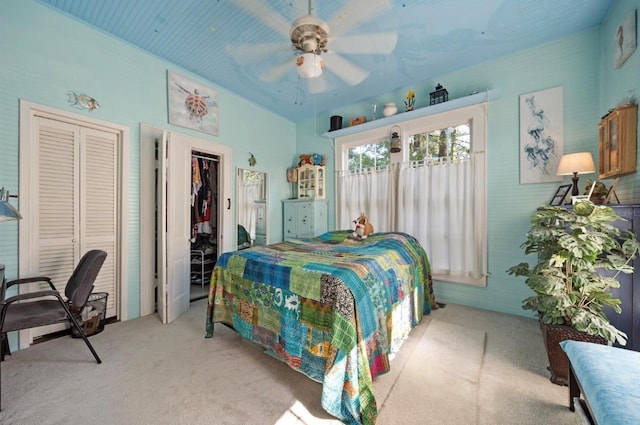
331 307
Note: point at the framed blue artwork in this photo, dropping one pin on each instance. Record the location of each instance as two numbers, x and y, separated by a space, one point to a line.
541 135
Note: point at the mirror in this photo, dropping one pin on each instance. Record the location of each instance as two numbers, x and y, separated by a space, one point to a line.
252 207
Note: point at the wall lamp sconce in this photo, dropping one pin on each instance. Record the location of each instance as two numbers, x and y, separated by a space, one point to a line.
8 211
576 163
396 139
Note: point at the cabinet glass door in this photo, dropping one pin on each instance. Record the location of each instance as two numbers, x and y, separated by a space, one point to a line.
320 188
613 145
618 140
306 182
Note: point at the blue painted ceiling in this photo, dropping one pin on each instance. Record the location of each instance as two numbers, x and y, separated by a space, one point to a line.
235 43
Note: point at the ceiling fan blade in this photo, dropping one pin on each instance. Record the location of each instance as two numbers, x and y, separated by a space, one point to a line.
264 13
318 85
380 43
354 13
351 74
278 71
248 52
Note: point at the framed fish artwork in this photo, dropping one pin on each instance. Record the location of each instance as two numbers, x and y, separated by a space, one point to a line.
191 104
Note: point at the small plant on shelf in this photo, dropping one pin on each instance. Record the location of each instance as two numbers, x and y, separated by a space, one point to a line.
599 191
411 99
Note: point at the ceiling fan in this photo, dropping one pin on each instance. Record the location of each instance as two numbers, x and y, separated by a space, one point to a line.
317 45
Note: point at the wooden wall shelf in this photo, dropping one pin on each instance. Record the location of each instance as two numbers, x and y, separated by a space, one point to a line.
450 105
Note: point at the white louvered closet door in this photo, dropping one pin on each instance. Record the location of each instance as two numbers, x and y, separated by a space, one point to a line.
76 203
98 206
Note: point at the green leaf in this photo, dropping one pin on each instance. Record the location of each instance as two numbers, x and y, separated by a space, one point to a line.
630 246
521 269
583 208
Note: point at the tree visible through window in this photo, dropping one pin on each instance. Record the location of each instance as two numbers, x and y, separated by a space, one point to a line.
451 144
367 156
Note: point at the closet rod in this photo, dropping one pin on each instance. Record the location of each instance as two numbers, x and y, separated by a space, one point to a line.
208 158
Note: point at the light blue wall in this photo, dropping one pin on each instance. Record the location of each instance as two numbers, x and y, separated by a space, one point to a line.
44 54
582 65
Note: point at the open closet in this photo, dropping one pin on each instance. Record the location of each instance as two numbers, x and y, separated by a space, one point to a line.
185 218
204 224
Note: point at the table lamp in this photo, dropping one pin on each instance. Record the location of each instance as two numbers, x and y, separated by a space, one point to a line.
576 163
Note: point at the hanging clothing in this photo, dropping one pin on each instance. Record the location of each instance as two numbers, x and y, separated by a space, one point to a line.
195 175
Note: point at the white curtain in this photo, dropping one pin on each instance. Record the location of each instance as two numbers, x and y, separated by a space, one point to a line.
366 191
248 193
439 204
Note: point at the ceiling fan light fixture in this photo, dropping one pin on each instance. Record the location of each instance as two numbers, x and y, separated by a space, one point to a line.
309 33
309 65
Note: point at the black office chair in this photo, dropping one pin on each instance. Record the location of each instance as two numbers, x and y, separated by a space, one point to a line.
47 311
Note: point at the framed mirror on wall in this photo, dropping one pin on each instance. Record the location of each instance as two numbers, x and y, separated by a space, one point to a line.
252 208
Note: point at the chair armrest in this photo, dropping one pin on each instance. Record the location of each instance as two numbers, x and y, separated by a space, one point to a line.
30 295
10 283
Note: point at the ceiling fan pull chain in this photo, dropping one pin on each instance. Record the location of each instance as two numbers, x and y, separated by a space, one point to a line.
299 93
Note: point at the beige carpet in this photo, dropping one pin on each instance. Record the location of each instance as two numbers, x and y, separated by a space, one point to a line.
448 357
460 366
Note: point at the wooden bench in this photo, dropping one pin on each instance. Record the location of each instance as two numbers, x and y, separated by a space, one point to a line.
608 378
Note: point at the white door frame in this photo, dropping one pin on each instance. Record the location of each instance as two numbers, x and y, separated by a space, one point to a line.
27 265
148 135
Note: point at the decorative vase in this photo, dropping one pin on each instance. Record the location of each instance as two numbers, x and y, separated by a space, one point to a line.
389 109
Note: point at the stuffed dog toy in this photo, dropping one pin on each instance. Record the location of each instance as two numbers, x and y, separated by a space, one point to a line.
363 227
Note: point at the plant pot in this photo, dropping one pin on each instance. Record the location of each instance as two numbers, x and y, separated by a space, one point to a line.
553 335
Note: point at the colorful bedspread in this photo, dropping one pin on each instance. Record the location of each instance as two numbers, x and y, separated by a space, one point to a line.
330 307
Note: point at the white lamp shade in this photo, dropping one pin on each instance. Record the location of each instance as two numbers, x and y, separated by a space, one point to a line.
309 65
580 163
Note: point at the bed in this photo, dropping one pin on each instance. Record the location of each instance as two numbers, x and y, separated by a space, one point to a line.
330 307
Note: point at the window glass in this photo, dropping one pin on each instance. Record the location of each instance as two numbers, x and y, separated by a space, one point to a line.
450 144
252 176
371 155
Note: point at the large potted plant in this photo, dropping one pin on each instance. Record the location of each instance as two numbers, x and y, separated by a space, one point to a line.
579 256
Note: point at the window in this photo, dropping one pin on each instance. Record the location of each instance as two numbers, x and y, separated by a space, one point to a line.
373 155
433 189
451 144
